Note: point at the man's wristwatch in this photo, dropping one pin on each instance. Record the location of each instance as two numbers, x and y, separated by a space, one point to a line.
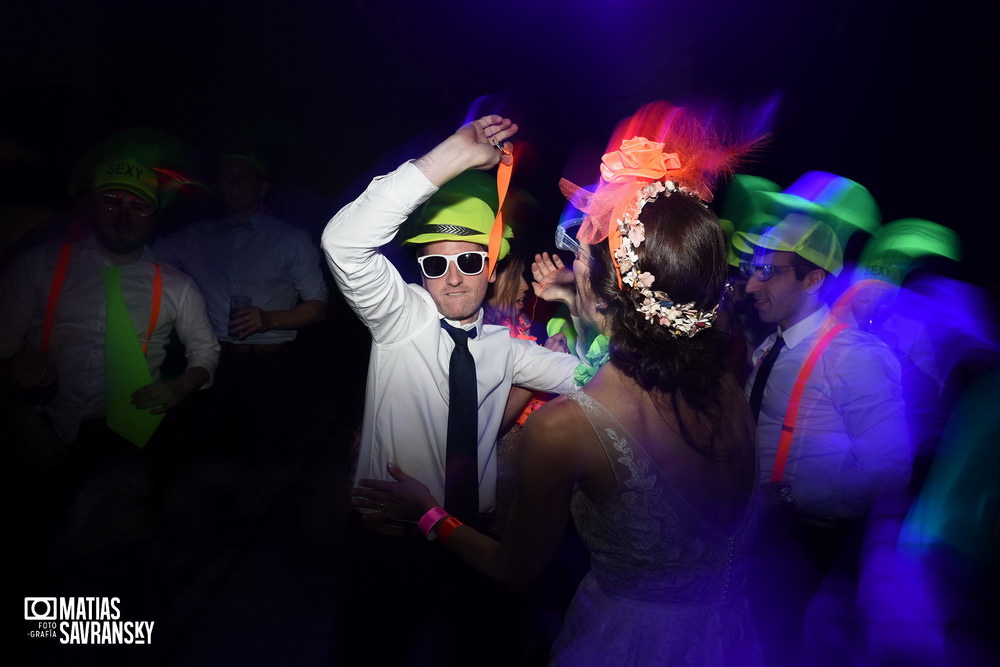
784 494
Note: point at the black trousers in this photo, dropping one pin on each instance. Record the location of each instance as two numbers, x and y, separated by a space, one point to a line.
790 561
408 601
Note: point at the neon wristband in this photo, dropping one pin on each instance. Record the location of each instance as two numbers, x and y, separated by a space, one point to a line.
447 527
429 520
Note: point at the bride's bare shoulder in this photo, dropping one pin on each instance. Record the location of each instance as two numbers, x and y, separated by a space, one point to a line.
560 421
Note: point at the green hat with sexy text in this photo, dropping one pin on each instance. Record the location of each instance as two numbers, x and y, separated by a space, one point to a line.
128 175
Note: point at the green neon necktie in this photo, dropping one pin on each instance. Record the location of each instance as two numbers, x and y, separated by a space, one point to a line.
125 367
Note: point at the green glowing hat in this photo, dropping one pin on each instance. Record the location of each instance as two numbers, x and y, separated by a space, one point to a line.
128 175
745 201
845 205
746 206
809 238
898 246
814 217
464 209
741 247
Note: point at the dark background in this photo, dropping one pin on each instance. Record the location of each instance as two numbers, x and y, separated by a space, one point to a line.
892 94
896 95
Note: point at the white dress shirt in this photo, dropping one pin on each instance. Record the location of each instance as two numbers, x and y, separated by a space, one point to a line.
851 438
77 344
406 406
270 261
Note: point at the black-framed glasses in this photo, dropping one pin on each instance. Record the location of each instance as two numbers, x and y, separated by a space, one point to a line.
470 263
763 272
112 202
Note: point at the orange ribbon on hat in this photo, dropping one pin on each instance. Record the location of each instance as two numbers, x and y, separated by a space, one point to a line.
496 234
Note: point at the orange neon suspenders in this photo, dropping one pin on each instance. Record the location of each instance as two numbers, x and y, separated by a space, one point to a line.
792 413
59 277
496 232
154 305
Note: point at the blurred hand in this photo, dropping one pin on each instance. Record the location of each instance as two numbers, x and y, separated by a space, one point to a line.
161 396
32 369
557 343
552 280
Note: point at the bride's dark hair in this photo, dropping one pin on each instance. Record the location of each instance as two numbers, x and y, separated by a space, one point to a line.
684 249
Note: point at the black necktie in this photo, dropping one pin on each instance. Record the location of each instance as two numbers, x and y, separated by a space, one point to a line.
759 382
461 475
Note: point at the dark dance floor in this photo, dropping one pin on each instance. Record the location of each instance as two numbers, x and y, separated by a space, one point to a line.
236 562
241 565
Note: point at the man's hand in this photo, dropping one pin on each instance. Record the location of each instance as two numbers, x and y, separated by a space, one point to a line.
472 146
163 395
489 131
553 281
248 321
405 498
32 369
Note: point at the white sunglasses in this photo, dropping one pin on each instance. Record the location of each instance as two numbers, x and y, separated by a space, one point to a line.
469 263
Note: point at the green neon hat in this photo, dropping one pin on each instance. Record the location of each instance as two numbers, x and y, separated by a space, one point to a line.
464 209
741 247
128 175
897 247
810 239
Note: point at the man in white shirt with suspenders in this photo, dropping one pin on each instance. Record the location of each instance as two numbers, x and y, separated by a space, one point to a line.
831 428
54 305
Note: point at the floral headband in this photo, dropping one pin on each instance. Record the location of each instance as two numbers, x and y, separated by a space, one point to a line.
637 173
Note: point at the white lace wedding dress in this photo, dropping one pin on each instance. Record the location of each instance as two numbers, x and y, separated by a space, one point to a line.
664 588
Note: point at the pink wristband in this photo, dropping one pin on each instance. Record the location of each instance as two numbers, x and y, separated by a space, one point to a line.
429 520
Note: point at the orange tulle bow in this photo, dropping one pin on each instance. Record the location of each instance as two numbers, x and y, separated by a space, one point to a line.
638 158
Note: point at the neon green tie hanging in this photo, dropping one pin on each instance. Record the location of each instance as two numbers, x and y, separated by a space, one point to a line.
125 368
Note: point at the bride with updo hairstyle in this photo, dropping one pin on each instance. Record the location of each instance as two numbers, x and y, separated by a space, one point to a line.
684 249
654 456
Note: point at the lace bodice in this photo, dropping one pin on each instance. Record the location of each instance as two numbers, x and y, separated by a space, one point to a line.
647 543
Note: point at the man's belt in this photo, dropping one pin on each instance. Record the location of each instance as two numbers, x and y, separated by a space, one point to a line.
252 348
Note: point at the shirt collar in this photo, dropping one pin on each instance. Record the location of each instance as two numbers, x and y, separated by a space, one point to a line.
477 325
804 328
255 221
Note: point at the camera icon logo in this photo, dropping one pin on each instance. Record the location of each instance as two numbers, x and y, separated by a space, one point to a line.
40 609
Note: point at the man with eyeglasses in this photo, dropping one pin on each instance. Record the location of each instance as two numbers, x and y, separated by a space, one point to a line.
831 429
67 311
53 300
406 415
